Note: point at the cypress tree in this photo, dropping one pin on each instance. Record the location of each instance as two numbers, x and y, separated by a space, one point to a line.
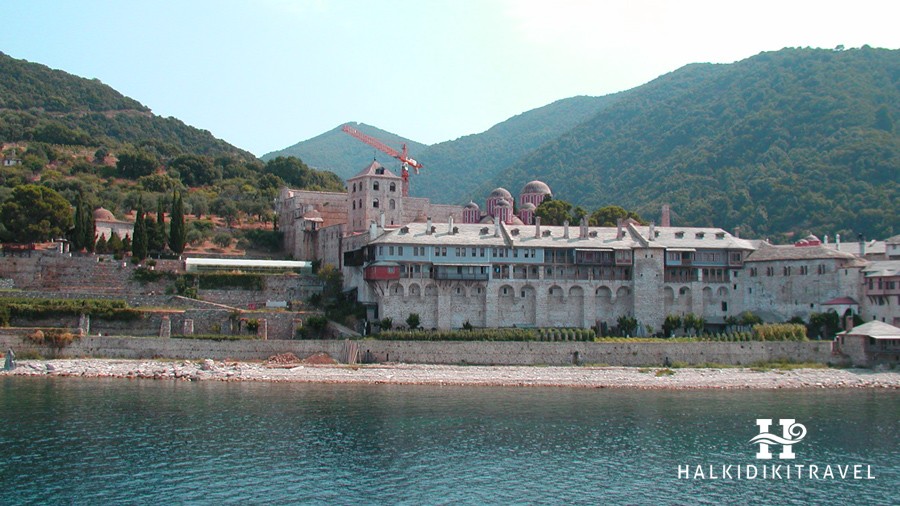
161 223
139 243
82 235
177 234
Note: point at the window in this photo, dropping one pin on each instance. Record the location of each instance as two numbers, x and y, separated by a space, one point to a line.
724 306
393 205
391 250
474 250
354 204
770 271
787 271
400 250
375 185
380 250
481 252
354 187
393 187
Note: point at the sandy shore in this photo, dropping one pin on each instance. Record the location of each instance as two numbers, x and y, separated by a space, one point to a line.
411 374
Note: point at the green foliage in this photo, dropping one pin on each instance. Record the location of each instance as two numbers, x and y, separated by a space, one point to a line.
48 308
140 241
35 214
459 335
225 281
312 327
177 231
780 142
671 323
609 216
134 164
196 170
779 332
413 321
82 235
264 240
824 325
554 212
296 174
626 325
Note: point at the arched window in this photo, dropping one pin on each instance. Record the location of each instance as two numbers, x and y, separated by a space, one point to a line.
354 187
354 204
393 204
375 185
375 203
360 204
393 187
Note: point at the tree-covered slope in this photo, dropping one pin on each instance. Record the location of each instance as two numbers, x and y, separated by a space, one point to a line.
455 169
344 155
790 141
43 104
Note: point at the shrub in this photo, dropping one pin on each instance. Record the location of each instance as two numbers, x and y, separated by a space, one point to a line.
779 332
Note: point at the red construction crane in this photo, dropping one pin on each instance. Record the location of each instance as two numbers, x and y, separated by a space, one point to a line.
403 156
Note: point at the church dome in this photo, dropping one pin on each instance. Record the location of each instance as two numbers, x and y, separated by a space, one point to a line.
472 205
539 187
500 193
528 206
101 214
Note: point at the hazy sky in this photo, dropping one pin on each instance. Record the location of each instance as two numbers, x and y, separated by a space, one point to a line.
266 74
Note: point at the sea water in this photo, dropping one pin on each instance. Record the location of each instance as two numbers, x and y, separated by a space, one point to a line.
105 441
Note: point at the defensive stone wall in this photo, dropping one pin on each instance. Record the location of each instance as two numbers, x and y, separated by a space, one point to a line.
455 352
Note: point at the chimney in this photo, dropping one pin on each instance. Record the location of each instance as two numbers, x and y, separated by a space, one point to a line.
381 219
666 218
566 229
450 228
619 232
373 231
652 231
583 228
497 227
428 226
837 242
862 246
825 240
537 226
737 232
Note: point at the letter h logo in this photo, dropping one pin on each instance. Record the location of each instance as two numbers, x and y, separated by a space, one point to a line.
792 433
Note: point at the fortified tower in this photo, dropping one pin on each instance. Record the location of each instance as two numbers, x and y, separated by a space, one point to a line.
375 190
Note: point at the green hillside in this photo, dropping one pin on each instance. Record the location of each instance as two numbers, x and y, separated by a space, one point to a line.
455 169
344 155
86 141
793 141
43 104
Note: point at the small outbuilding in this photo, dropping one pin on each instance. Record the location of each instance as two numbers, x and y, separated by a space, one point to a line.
870 344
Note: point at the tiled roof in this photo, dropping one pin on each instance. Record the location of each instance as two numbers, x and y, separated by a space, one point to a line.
882 268
523 236
375 169
768 252
875 329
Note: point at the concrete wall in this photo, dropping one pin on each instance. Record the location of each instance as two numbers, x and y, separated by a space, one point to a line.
498 353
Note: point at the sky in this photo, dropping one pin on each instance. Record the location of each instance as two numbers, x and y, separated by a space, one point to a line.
266 74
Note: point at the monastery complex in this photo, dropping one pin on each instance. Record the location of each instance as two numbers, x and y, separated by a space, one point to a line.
499 267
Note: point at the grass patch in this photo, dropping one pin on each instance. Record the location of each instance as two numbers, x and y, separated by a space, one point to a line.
664 372
216 337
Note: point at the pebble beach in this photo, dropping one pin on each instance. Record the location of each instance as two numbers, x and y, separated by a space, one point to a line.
418 374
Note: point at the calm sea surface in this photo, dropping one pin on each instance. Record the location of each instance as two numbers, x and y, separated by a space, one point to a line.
71 441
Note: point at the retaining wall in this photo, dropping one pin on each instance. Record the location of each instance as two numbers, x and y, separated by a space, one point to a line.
452 352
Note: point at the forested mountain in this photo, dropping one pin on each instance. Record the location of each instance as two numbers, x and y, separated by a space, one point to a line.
344 155
455 169
789 141
43 104
90 144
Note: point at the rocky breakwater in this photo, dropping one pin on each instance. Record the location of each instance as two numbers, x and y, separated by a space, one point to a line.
322 369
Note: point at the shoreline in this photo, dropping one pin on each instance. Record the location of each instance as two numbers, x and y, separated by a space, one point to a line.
468 375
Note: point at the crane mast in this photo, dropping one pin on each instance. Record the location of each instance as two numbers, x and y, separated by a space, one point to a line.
403 155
